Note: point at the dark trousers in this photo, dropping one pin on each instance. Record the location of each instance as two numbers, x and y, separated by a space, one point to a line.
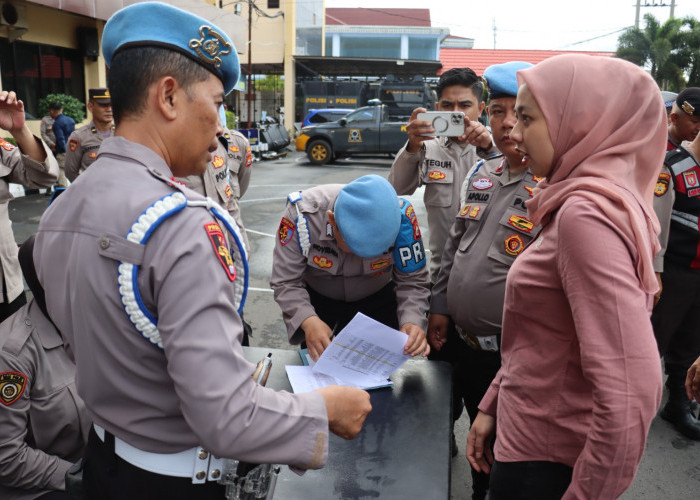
8 309
380 306
107 477
676 318
452 352
529 480
474 373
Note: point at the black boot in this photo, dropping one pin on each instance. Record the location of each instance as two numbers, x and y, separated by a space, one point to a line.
677 410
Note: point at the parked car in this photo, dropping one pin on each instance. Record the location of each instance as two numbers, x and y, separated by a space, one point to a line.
371 130
316 116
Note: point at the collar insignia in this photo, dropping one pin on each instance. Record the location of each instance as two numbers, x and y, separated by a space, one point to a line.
211 46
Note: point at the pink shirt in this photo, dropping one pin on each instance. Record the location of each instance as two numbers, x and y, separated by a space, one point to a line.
580 380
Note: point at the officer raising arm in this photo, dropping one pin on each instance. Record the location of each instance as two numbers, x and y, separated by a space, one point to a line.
146 285
442 163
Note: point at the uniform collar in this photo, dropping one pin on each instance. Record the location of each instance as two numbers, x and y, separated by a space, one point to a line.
138 153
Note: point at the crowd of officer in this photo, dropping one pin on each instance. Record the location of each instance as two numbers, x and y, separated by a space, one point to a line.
139 405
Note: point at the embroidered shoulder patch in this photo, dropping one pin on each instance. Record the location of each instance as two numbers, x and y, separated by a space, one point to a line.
73 144
286 231
248 157
7 146
662 184
218 241
12 386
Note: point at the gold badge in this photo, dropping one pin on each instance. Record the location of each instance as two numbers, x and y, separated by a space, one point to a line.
12 386
514 244
688 108
521 222
211 46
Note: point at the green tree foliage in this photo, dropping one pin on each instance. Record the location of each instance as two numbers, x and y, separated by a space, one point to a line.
71 106
269 82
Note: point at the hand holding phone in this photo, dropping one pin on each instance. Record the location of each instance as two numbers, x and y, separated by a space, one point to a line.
445 123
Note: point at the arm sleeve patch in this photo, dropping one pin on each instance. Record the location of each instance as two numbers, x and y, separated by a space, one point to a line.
218 241
12 386
409 254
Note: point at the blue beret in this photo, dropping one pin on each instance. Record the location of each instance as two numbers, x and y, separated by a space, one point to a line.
161 25
368 215
501 80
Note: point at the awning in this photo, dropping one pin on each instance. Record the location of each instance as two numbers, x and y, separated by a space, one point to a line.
308 66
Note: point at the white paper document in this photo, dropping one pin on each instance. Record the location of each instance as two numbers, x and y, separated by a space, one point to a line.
364 354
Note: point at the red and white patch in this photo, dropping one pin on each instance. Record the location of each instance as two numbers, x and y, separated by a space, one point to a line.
218 161
483 183
173 180
12 385
691 179
286 231
218 241
73 144
7 146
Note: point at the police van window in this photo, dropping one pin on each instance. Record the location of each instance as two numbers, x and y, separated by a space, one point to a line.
362 115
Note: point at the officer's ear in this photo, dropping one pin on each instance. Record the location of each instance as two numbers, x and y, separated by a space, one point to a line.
165 97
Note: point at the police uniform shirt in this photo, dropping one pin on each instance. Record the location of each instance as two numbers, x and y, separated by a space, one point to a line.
81 149
46 128
43 423
333 273
490 230
21 169
441 165
197 390
227 176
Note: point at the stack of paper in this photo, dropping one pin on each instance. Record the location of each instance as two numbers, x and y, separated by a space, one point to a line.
364 354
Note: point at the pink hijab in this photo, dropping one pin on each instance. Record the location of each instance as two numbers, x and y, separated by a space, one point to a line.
607 123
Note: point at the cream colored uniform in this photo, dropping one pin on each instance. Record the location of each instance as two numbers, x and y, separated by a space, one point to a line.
441 166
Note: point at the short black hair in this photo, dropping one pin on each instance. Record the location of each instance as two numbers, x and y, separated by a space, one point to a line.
55 106
134 69
464 77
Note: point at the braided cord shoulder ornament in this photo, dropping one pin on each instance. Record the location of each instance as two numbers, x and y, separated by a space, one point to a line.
141 231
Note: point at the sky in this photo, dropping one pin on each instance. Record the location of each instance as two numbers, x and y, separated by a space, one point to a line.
591 25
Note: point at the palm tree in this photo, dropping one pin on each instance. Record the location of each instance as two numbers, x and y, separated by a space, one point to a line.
665 50
689 51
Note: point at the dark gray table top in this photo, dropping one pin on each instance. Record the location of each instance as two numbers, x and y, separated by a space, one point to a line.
403 452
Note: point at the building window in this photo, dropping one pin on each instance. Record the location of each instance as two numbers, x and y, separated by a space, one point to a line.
381 47
34 70
422 48
273 4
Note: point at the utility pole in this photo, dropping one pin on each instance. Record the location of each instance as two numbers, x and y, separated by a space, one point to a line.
493 24
250 59
653 3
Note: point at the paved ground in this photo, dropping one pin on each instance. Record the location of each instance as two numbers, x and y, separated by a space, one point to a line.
670 468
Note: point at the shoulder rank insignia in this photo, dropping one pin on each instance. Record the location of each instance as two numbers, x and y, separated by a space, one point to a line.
286 231
218 241
323 262
12 386
482 183
514 244
662 184
73 144
218 161
7 146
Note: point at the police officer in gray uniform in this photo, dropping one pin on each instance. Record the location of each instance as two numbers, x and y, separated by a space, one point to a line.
82 146
32 165
441 163
489 232
140 279
341 250
43 423
47 135
228 174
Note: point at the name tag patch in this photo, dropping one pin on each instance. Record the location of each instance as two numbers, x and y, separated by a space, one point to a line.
218 241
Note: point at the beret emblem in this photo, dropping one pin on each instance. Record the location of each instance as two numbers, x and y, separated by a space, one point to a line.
688 108
211 46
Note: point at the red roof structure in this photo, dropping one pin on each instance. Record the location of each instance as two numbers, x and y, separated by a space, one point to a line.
480 59
378 17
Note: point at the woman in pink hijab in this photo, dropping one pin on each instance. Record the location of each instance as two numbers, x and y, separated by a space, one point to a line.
581 379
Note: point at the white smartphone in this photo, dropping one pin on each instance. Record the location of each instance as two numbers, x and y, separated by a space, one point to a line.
445 123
